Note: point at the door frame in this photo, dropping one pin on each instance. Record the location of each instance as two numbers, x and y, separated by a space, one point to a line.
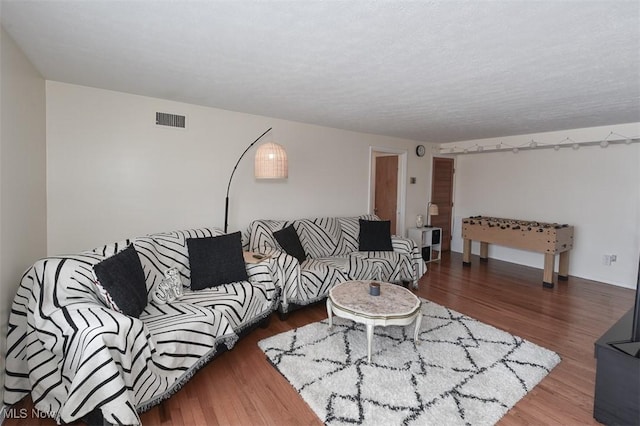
402 184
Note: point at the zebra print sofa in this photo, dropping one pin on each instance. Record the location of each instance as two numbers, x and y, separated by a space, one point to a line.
331 246
80 359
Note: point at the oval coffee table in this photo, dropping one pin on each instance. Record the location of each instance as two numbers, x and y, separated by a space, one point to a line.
394 306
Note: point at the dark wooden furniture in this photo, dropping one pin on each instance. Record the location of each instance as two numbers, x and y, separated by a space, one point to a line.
617 390
548 238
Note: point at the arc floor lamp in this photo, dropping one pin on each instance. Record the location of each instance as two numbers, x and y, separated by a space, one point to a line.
270 163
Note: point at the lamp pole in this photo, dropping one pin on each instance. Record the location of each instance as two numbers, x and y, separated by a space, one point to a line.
226 201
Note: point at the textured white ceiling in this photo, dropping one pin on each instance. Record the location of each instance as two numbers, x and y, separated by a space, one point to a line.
435 71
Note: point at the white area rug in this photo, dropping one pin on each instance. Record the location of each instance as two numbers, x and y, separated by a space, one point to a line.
462 371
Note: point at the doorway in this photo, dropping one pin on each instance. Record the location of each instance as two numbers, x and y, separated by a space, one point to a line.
442 196
387 189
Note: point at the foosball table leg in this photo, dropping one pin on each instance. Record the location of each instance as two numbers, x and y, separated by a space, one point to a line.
547 278
563 266
484 251
466 252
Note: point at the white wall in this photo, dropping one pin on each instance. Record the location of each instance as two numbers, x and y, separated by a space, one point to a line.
597 190
111 173
22 173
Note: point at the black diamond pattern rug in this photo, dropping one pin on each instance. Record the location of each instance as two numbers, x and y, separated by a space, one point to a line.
461 372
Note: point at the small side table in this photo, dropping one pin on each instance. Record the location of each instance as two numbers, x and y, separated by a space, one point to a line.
429 240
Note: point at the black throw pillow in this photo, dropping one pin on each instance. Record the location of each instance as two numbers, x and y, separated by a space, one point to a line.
216 260
290 242
122 277
375 235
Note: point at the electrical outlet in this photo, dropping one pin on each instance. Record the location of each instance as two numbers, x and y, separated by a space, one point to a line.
606 260
613 257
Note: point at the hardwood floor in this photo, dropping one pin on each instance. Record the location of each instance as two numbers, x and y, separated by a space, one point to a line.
242 388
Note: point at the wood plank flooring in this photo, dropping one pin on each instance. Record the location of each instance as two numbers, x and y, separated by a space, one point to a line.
242 388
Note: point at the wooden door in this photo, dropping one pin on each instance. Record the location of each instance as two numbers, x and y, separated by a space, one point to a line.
386 190
442 196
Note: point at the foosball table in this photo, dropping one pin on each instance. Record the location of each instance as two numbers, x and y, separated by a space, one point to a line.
547 238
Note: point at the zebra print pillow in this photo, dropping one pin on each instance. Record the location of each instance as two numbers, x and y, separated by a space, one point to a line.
169 289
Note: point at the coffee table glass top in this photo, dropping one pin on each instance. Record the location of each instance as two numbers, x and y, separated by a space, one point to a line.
394 300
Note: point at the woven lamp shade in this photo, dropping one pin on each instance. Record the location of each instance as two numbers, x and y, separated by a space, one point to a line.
271 162
433 209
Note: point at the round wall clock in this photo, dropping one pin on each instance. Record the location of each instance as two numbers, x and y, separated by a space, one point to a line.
420 151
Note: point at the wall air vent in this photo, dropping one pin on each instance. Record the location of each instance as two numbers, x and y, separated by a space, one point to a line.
170 120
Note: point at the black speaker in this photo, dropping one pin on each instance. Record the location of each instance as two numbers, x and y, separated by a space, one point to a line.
426 253
435 236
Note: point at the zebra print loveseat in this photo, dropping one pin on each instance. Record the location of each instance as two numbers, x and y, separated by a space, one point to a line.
78 358
331 245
